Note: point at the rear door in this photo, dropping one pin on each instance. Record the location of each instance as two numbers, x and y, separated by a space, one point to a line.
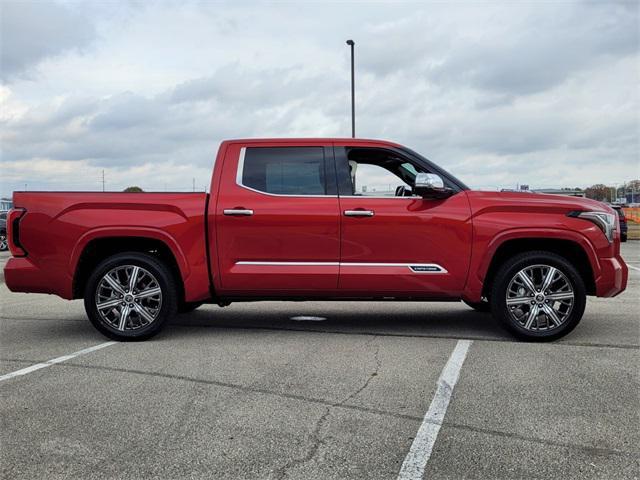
277 220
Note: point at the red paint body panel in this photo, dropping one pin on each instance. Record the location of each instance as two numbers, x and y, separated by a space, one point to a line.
502 216
326 253
58 225
406 231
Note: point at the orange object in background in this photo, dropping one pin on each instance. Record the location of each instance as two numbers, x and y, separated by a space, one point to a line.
632 214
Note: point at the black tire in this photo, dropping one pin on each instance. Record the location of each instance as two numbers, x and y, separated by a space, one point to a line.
4 246
623 237
186 307
510 269
482 307
167 304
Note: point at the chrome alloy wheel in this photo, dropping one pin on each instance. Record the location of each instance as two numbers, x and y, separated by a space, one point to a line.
128 297
540 298
3 243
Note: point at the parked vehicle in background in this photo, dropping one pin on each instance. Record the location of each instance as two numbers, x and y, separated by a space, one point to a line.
317 219
623 222
3 232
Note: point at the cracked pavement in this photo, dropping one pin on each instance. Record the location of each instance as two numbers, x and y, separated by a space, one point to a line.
246 392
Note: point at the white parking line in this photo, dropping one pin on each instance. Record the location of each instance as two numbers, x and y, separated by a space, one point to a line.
420 451
635 268
48 363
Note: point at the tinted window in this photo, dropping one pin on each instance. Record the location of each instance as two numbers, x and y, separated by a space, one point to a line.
285 171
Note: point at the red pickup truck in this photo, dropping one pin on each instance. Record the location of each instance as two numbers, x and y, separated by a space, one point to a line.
331 219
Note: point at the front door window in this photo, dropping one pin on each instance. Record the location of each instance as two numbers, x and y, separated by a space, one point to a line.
378 173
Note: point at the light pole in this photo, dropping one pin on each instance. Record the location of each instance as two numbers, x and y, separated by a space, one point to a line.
351 43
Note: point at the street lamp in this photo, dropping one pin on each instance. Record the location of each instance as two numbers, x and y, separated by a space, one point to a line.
351 43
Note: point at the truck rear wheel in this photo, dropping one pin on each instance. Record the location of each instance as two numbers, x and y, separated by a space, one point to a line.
187 307
130 296
538 296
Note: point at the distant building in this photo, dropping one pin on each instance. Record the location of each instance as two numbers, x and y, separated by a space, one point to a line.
561 191
6 204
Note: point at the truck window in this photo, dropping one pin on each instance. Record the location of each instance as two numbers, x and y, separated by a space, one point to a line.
375 172
283 170
374 180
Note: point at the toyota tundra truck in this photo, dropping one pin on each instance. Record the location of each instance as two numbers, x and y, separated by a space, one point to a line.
303 219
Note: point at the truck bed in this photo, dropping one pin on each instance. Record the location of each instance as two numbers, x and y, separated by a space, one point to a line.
57 228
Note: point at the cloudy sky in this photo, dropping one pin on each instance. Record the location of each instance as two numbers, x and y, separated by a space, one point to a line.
543 93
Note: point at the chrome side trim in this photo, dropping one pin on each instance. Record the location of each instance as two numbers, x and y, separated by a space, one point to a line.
363 197
420 268
292 264
414 267
240 172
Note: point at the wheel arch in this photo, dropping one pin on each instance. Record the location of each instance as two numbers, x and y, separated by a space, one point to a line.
95 250
574 251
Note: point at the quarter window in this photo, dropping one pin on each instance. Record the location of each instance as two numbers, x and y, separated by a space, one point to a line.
284 170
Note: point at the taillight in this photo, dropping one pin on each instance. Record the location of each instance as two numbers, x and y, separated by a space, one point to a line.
13 232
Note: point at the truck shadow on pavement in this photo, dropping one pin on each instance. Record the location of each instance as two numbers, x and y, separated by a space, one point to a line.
386 320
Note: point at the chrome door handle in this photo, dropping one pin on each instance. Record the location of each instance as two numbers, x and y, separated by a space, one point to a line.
238 211
358 213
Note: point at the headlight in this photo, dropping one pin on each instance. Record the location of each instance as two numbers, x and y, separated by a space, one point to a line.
607 222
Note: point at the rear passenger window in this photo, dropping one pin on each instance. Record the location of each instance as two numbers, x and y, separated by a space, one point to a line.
284 170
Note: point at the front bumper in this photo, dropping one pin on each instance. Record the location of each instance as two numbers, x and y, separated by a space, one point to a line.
613 277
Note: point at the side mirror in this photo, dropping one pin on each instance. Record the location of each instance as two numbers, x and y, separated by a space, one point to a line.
430 185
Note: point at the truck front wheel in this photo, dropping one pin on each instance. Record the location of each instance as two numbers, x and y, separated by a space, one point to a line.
538 296
481 306
130 296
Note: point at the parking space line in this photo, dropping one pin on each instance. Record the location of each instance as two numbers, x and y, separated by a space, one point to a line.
420 451
635 268
48 363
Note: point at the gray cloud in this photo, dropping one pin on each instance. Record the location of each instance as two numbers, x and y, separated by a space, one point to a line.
505 52
33 31
539 94
545 51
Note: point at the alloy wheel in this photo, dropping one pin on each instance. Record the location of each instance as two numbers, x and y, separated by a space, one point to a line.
128 297
539 298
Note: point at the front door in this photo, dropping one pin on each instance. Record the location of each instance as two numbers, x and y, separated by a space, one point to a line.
277 220
395 243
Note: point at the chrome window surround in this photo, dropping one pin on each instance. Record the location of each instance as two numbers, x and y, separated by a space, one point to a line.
239 183
241 171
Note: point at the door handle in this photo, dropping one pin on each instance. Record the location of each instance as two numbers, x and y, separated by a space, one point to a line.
238 211
358 213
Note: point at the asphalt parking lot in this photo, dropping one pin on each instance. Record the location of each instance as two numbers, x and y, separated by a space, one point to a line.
248 392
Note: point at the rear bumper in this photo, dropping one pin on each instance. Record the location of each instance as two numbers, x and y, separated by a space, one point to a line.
613 277
21 275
